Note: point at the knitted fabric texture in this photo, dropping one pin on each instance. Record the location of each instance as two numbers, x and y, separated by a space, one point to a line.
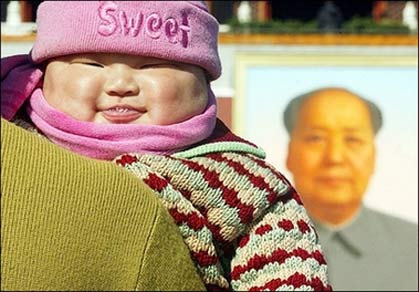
243 222
69 223
105 141
182 31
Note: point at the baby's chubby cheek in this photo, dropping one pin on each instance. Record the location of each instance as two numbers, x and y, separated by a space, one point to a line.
84 92
177 110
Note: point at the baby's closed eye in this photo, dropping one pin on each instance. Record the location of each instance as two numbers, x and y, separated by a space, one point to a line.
93 64
87 62
158 65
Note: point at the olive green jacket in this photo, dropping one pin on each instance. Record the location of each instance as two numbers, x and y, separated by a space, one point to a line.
72 223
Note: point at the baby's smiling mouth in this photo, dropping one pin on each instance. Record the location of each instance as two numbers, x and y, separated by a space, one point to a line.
122 114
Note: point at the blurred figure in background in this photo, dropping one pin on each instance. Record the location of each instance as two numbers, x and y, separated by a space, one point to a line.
331 155
329 17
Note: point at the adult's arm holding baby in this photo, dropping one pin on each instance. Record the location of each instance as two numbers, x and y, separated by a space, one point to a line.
73 223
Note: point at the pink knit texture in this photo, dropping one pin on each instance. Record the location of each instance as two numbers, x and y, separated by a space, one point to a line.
181 31
106 141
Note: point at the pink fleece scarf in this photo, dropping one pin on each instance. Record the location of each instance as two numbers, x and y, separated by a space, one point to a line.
21 79
106 141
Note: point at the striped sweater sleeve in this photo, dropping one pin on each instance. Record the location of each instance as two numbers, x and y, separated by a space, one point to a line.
280 252
258 225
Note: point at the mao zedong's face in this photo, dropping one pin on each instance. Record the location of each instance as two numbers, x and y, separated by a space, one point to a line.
331 151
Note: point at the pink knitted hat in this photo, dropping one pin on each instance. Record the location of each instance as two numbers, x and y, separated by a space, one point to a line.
181 31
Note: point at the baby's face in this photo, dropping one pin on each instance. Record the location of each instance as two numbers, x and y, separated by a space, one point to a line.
122 89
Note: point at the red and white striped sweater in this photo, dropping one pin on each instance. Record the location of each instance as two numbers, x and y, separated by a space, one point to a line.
242 221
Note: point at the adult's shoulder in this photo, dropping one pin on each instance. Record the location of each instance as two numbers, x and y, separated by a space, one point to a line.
73 223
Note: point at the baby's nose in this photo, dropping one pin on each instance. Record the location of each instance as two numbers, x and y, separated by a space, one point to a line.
121 82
